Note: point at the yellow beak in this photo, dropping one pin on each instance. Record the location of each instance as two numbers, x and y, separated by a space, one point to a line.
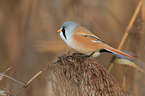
59 30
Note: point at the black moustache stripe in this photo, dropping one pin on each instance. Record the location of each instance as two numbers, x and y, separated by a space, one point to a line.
63 31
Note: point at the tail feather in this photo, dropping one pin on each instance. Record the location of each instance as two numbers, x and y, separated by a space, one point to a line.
113 50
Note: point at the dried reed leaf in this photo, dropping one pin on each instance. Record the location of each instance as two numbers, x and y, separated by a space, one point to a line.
119 59
4 92
128 63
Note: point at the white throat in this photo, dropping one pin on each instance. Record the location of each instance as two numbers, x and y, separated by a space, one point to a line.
67 39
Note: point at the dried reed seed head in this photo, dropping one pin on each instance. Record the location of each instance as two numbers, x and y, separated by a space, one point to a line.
83 77
137 26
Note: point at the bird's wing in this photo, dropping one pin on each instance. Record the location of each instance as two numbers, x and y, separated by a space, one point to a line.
85 34
94 38
88 42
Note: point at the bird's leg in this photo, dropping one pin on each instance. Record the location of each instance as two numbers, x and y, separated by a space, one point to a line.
87 56
91 53
69 52
76 53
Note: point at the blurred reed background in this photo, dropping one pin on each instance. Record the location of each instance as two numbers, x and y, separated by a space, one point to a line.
29 38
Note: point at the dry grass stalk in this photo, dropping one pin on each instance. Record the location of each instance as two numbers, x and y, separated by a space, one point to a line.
130 25
81 77
128 29
30 81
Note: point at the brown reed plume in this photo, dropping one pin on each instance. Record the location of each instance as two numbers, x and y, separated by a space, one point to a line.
75 76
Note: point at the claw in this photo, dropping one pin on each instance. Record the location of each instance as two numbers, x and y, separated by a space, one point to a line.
74 54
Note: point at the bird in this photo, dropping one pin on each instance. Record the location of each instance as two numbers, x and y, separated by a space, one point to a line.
83 41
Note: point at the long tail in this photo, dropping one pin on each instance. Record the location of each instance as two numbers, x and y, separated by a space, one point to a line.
113 50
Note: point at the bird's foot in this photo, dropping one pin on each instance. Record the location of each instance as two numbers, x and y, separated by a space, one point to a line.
82 57
85 57
74 55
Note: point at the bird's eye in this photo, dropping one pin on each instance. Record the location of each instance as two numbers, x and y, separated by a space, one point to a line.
64 32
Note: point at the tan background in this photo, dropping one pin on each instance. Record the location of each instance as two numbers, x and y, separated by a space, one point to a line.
28 38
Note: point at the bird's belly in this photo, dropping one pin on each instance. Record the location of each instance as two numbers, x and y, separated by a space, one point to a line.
83 49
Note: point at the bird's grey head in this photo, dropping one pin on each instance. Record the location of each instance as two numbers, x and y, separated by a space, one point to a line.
68 29
69 25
